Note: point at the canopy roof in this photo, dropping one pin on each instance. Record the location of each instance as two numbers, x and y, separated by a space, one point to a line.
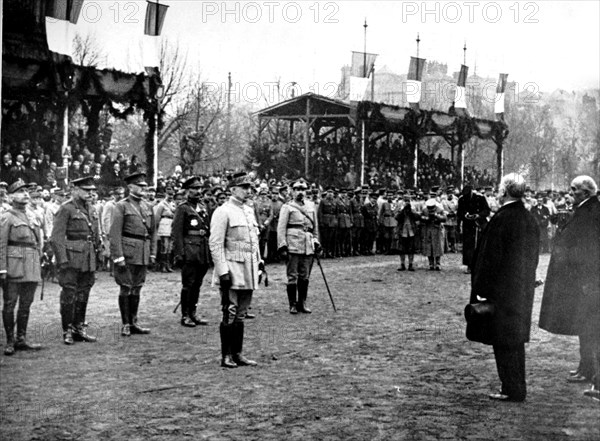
327 111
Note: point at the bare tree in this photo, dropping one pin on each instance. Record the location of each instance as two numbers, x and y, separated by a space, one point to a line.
87 51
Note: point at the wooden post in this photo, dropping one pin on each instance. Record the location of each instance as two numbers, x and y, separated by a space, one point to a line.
362 152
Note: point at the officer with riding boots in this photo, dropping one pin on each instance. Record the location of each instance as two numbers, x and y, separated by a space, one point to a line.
132 248
235 253
20 268
190 232
75 239
297 235
327 214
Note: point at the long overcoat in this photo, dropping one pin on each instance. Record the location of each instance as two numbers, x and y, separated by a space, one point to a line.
20 248
234 244
504 268
572 290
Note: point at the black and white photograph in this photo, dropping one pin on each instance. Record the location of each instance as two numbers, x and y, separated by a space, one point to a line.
300 220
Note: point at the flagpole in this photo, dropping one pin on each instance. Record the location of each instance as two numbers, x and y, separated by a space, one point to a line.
365 51
362 154
65 141
157 115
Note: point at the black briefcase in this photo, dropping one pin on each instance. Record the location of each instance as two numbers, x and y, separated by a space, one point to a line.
479 318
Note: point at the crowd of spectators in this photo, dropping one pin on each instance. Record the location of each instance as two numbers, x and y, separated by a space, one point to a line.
336 163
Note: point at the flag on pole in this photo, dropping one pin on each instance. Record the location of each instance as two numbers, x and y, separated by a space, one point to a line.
61 16
413 81
359 67
460 94
358 88
155 18
500 95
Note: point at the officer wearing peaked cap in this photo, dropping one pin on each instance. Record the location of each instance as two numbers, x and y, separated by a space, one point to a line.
297 236
234 249
20 269
132 248
190 233
75 238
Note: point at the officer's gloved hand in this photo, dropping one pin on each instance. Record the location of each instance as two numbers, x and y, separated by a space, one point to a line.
318 248
225 282
261 266
283 251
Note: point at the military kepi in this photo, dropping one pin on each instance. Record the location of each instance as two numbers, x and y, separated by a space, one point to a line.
240 179
138 178
86 183
16 186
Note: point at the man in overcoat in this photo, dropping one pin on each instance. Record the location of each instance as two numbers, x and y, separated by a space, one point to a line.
504 268
571 301
297 236
235 253
190 232
132 248
20 267
75 240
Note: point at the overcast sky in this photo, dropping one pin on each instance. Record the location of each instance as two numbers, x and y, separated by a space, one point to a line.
555 44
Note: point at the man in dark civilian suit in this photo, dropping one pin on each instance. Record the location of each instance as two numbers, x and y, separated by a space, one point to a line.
504 268
571 302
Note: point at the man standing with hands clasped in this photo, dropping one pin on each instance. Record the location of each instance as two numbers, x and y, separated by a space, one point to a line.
297 237
235 251
132 249
504 267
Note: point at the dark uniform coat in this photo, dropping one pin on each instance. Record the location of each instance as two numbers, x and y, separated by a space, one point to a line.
75 236
328 210
190 232
572 289
504 273
131 233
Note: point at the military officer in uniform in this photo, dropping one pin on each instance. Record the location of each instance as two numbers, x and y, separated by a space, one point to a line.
264 214
132 248
75 239
327 215
297 236
235 253
20 267
358 222
190 232
472 213
369 211
278 198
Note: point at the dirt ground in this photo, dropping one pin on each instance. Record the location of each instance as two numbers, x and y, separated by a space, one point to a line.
392 363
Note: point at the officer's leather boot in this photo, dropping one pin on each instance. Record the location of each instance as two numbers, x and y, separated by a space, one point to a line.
21 343
291 293
67 310
8 319
225 332
134 303
185 316
124 308
302 295
238 345
80 330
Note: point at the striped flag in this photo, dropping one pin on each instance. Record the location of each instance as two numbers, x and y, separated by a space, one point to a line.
460 94
500 95
413 81
155 18
61 16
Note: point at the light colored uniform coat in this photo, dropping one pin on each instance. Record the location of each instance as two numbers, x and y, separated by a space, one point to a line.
298 240
234 244
20 248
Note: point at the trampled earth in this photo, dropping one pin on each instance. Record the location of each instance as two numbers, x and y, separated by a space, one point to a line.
392 363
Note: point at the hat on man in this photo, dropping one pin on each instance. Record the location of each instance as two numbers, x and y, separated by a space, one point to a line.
3 184
240 179
450 189
16 186
86 183
300 184
193 182
137 178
